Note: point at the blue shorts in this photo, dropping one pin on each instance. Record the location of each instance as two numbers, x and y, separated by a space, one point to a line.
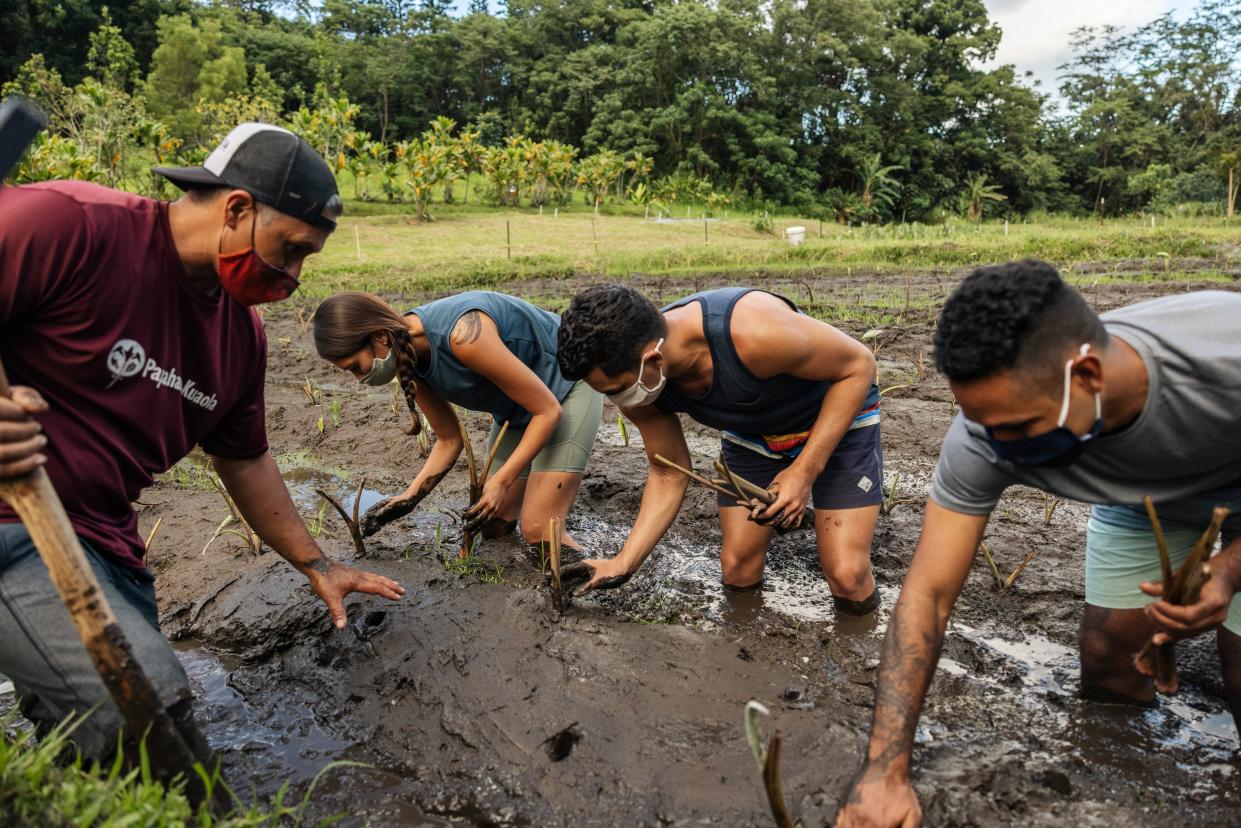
852 479
1119 557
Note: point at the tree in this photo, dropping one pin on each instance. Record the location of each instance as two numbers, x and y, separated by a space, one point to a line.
978 192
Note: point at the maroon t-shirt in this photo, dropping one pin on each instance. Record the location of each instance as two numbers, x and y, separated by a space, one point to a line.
137 366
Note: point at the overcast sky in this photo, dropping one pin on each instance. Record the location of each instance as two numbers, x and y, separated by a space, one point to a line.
1036 32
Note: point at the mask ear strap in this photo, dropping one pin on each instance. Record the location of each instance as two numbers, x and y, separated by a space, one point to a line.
1068 378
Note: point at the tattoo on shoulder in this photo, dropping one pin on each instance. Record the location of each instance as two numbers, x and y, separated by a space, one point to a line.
468 328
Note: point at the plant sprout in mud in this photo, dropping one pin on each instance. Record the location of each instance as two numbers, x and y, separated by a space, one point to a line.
352 522
890 501
1003 584
239 527
311 390
768 761
335 409
1050 502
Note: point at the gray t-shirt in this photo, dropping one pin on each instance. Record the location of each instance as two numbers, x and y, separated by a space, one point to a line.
1184 449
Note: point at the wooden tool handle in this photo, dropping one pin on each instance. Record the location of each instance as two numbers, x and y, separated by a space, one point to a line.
37 505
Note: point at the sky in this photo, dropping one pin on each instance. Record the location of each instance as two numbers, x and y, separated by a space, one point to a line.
1036 32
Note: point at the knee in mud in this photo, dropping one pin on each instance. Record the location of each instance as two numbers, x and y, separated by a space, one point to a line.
847 578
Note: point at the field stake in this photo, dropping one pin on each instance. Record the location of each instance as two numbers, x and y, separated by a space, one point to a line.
705 238
357 242
508 231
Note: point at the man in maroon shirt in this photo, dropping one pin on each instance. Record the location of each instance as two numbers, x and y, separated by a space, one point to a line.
127 330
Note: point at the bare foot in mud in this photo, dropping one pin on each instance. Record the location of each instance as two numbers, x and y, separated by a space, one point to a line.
1147 662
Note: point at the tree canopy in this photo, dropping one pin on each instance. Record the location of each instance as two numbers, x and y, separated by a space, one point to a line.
866 109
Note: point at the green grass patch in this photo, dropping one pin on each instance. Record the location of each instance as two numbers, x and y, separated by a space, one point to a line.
388 251
37 787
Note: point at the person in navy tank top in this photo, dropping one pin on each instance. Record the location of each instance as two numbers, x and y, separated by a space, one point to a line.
486 352
794 399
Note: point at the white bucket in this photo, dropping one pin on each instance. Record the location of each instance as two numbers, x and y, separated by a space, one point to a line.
795 235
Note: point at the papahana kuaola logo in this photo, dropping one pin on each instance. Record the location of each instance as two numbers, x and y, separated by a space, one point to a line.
128 359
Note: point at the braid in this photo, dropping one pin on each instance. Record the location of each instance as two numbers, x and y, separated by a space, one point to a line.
406 359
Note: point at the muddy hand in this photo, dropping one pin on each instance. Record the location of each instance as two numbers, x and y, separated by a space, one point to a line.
386 511
487 506
1187 621
886 802
21 438
792 491
338 580
598 573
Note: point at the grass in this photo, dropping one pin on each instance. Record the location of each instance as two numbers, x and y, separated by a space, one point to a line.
472 566
38 787
387 250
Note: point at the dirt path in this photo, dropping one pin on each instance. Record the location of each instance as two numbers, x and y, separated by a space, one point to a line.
474 705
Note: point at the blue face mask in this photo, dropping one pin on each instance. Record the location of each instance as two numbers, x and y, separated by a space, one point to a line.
1053 449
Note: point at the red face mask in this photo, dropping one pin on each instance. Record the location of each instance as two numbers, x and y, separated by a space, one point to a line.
249 279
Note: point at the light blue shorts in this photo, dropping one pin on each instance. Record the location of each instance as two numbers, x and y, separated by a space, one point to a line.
1119 558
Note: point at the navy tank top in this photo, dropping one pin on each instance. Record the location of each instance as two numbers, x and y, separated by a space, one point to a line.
783 406
527 331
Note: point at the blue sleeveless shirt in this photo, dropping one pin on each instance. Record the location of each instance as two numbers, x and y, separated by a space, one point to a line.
772 416
527 331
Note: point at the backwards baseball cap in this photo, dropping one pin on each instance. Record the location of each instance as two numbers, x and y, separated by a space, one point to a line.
275 166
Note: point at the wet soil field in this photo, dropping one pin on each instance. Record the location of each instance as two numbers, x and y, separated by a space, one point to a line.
470 702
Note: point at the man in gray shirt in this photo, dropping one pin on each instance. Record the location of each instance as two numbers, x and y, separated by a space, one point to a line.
1143 401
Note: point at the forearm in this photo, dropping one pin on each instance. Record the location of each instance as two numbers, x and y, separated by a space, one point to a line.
439 462
910 652
535 436
841 404
1227 565
258 490
661 500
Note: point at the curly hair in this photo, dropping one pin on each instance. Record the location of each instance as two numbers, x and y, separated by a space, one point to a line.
343 325
605 327
1018 315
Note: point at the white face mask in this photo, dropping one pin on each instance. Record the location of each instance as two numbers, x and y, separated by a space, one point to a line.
638 395
382 370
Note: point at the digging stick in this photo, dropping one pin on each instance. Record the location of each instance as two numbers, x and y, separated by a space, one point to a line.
36 503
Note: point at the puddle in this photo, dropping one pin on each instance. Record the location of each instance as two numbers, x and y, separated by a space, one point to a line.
1192 727
262 751
681 573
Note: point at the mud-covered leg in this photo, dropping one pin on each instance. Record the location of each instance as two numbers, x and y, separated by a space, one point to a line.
744 551
1108 638
844 538
1229 644
548 495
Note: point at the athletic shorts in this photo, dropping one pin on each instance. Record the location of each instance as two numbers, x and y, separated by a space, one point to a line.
853 477
1119 558
570 445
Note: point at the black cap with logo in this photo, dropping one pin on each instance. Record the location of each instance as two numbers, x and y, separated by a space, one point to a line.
275 166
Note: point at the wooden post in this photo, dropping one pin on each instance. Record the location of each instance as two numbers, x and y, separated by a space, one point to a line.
508 232
36 503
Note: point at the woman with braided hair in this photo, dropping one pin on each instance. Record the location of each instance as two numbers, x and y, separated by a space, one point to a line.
483 351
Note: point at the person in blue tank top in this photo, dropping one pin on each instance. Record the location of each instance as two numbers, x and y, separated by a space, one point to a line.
794 398
485 352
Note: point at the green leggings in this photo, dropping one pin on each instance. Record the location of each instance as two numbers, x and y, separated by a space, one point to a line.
569 447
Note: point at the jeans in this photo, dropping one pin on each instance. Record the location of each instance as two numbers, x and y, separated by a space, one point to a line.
41 652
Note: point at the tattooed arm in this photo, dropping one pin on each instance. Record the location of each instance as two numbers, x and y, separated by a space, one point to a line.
882 795
263 500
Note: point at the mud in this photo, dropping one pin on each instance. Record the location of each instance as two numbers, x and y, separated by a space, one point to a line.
472 703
